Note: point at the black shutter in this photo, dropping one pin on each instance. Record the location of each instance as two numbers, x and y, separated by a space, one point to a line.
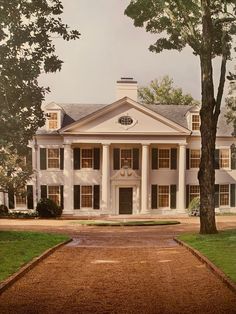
173 158
43 159
44 191
173 196
30 198
96 196
232 195
233 158
187 196
76 196
135 158
29 157
154 196
62 196
116 159
96 158
187 158
11 198
76 158
61 158
217 159
217 195
154 158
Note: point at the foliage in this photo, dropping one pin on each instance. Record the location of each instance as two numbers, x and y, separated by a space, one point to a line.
46 208
219 248
20 215
27 31
14 171
194 207
163 92
231 105
3 210
209 28
18 248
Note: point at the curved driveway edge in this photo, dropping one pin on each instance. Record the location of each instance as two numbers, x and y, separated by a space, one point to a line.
220 274
26 268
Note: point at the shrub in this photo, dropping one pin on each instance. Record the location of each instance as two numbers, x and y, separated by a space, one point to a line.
46 208
194 207
3 210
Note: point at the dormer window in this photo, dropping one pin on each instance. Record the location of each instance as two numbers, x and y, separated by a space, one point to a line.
195 122
52 120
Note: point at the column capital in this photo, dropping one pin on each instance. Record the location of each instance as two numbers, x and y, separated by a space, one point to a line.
183 144
106 144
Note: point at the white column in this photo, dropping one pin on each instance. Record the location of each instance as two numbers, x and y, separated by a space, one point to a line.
145 179
68 180
105 177
181 190
35 167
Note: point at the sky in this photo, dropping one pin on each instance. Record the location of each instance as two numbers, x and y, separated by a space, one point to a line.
110 47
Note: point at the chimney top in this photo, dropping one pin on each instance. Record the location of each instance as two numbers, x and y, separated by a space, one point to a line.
126 80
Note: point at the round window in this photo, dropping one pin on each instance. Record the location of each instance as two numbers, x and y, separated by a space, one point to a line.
125 120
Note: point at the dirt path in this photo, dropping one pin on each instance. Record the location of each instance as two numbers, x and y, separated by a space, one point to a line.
125 270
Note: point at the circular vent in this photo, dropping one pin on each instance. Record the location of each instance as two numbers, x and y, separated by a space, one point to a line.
125 120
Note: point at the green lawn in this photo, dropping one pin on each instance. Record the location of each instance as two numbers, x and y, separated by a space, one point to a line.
125 223
17 248
219 248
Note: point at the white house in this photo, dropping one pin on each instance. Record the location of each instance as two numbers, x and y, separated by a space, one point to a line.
125 158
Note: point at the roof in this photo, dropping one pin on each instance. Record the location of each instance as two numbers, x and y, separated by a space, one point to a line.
176 113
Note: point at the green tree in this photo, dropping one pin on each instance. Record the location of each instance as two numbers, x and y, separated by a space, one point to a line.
14 170
231 102
208 27
27 31
162 91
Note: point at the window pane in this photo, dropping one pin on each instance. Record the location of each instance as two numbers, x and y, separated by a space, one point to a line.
87 158
195 122
194 191
53 153
224 158
194 158
126 158
21 198
164 196
86 196
54 194
52 120
164 158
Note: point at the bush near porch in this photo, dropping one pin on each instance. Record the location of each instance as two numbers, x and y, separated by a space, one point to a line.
219 248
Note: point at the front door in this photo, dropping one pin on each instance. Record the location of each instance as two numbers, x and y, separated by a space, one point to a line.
125 201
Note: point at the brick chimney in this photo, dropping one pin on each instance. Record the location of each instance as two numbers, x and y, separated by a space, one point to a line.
127 87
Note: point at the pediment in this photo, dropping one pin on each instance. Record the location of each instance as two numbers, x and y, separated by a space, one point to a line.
107 121
125 174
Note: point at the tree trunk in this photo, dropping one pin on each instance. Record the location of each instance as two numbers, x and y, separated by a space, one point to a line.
208 129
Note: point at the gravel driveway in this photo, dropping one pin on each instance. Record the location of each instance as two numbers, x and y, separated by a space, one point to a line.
124 270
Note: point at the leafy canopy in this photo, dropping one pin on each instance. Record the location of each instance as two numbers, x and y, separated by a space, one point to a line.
27 31
162 91
179 23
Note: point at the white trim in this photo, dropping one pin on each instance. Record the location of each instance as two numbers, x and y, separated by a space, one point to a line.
118 103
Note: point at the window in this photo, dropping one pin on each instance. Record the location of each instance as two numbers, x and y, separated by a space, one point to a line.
224 158
164 158
53 158
195 122
224 195
163 196
125 120
194 158
54 194
21 198
126 158
87 196
87 158
52 120
194 191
